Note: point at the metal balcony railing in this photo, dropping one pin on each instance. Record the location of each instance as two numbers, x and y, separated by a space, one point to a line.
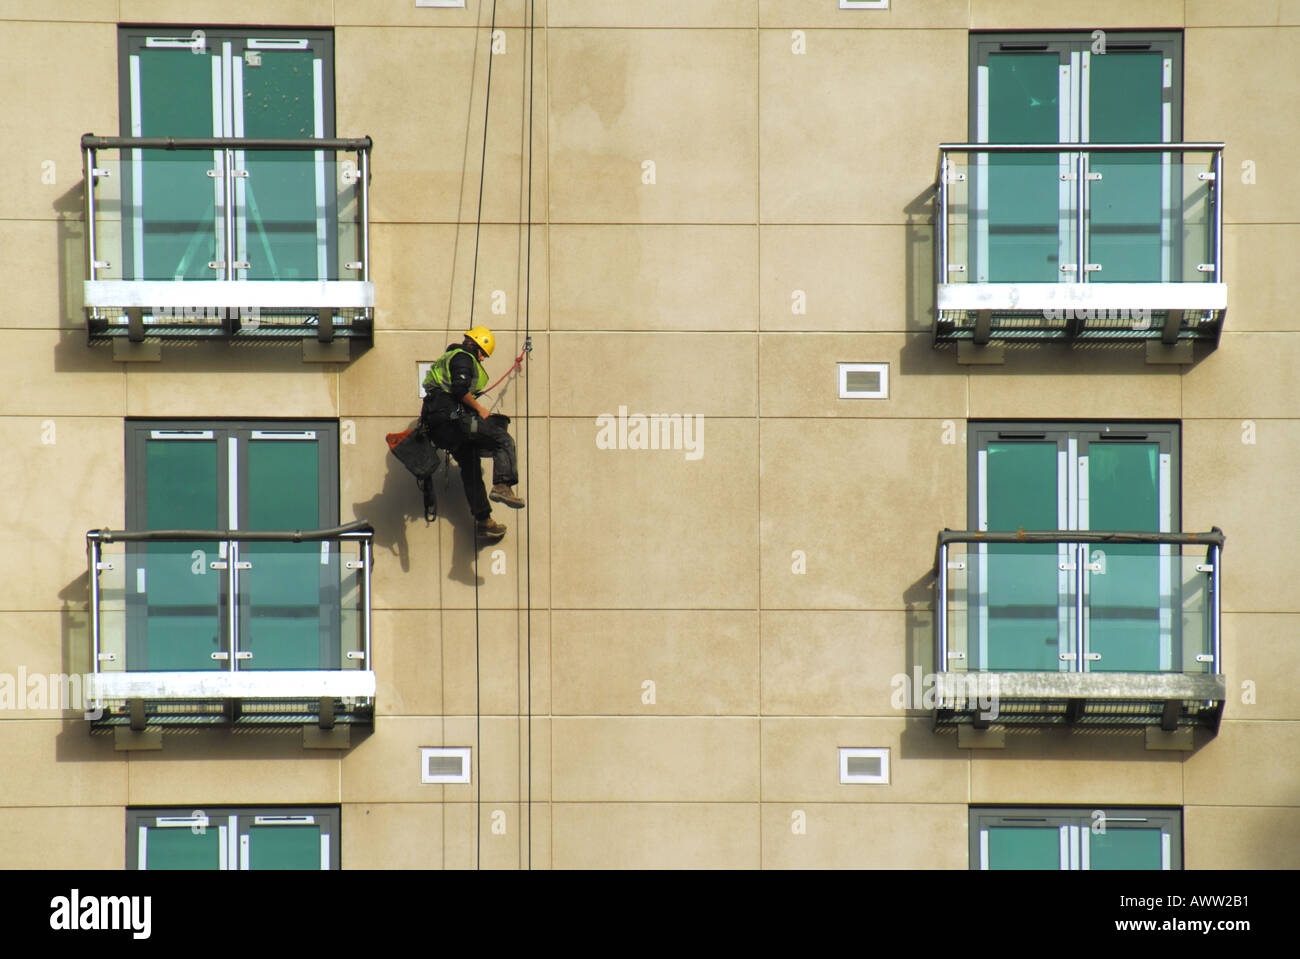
227 237
1068 626
1054 241
217 626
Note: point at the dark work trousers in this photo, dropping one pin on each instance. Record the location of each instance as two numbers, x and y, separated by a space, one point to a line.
458 429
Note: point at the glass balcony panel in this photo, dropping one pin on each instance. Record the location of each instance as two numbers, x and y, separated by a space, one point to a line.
283 209
1129 623
175 613
288 605
1149 218
1022 225
1195 595
351 605
958 612
112 608
1021 607
959 170
1148 609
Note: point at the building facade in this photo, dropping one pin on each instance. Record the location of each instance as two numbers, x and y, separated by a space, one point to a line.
786 323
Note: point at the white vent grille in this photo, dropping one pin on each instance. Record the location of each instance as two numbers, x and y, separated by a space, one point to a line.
444 764
864 765
864 381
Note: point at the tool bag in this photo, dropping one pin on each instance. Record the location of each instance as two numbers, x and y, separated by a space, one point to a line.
416 452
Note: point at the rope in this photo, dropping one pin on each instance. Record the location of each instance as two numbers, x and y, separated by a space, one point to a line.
518 365
528 527
478 686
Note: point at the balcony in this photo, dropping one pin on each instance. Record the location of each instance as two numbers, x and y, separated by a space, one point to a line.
226 237
1086 628
224 627
1051 242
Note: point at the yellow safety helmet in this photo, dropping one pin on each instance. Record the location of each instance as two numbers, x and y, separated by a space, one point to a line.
484 338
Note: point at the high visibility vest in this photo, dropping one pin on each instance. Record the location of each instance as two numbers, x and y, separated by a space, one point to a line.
439 375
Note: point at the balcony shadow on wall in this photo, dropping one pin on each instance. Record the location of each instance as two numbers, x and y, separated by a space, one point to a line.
399 504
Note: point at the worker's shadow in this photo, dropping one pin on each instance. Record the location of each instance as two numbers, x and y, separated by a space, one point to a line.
400 504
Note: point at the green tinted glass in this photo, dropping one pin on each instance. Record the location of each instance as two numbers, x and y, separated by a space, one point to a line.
181 627
1024 847
1125 849
181 848
1124 595
284 847
1125 95
1022 579
284 618
1023 191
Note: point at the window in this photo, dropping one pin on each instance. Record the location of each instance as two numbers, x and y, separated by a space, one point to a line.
232 838
1101 87
219 82
1080 838
242 476
1121 477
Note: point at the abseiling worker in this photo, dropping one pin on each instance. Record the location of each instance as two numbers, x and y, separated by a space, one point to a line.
460 424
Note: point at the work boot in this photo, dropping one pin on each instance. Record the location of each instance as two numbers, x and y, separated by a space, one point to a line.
504 494
489 528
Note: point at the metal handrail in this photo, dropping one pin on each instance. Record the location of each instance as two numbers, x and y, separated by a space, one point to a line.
1080 147
90 141
1213 540
359 530
354 530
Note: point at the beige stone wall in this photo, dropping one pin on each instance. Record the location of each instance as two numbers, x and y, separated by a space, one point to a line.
773 173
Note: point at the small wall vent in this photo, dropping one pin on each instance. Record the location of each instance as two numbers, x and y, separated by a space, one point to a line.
444 764
864 381
864 765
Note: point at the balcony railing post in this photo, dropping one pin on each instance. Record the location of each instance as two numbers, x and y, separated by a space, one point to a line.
92 560
941 612
1081 174
942 218
88 162
1217 555
363 157
228 176
1080 568
365 600
232 602
1218 220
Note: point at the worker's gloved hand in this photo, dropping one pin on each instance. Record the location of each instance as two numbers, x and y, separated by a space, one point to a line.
499 420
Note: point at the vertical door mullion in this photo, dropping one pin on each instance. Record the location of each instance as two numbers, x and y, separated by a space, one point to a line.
318 115
981 597
1166 563
1065 556
1068 132
978 213
232 507
137 178
240 163
1079 455
220 165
